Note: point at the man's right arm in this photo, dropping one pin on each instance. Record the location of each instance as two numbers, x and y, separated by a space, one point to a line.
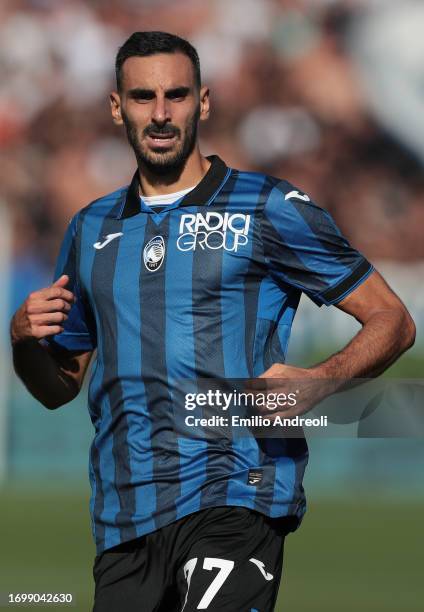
53 376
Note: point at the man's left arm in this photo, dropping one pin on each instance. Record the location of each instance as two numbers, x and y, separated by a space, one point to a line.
306 250
387 331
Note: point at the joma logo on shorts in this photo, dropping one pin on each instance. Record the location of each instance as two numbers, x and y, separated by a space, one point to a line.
213 231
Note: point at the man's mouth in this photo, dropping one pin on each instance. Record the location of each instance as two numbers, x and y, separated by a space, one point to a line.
161 139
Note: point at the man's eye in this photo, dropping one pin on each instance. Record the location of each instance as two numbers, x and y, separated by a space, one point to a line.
142 96
177 96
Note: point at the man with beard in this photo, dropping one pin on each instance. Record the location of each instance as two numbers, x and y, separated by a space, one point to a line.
194 270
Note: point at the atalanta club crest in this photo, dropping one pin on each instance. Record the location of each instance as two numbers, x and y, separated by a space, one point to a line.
154 253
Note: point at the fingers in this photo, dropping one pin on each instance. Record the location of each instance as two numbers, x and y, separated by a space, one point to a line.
256 384
44 306
48 319
44 312
47 330
52 293
62 281
42 325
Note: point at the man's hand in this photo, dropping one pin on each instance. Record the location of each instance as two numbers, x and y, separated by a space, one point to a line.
387 331
306 385
52 374
43 312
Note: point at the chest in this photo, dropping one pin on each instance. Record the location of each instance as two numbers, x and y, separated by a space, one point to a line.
180 256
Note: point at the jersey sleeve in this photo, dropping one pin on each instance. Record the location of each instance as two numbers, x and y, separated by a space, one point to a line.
79 330
304 248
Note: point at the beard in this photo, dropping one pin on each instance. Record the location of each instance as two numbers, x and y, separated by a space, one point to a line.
163 162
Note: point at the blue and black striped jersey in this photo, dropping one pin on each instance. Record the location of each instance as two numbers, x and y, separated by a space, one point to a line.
207 287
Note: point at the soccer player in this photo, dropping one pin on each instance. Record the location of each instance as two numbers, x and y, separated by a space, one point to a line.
194 270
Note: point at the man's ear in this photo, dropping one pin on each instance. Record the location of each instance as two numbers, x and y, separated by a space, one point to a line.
115 107
204 103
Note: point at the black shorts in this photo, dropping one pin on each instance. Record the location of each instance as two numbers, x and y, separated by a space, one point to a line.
226 558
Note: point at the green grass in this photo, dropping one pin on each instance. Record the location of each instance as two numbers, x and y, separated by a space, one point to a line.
46 545
354 555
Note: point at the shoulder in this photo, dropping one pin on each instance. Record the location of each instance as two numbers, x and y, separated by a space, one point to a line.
104 206
280 203
276 198
268 185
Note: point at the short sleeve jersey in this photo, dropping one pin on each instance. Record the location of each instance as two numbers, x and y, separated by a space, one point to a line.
206 288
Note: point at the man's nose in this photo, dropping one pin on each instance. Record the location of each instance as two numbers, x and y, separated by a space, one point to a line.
161 112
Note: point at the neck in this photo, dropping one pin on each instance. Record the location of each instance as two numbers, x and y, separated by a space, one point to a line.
189 175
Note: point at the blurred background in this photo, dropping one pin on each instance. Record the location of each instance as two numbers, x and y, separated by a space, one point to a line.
328 94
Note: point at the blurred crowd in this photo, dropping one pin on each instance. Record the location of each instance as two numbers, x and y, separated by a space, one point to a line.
324 93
